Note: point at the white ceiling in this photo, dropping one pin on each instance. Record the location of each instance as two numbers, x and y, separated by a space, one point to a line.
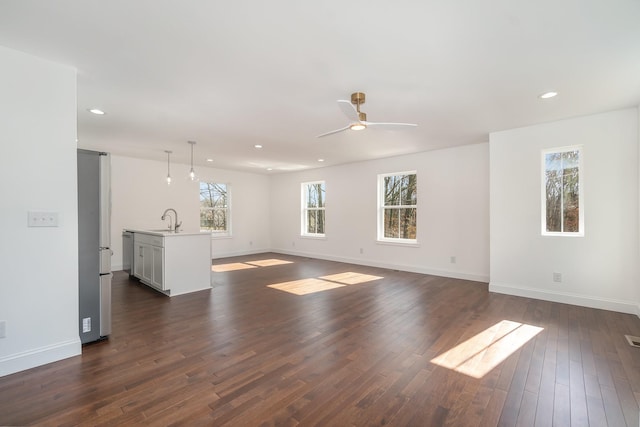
231 74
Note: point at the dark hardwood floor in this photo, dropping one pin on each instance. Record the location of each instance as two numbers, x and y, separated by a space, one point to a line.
368 347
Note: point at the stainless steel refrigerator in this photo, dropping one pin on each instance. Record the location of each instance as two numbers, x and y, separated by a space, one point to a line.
94 235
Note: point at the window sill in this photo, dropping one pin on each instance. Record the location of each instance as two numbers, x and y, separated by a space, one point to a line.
409 243
312 237
546 233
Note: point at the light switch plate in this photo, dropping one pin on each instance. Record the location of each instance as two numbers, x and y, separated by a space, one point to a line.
42 219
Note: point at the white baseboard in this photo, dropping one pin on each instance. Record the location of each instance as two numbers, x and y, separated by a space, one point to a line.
39 356
401 267
567 298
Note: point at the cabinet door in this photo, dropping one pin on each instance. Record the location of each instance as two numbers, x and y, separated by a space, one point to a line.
138 263
158 267
147 263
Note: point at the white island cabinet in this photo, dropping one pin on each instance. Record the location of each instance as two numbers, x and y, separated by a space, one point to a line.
172 263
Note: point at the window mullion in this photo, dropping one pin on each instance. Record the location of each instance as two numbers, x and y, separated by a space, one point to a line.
561 194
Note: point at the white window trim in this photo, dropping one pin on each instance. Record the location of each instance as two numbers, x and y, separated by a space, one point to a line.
227 233
380 215
543 195
303 212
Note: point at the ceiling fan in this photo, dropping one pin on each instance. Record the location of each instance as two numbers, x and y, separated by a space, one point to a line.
358 119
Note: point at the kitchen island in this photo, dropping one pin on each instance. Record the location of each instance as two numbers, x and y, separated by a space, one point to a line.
172 263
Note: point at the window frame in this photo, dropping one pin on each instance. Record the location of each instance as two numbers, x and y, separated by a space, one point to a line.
227 210
304 226
381 207
543 192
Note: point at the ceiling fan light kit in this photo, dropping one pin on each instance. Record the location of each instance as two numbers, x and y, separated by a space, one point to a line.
358 119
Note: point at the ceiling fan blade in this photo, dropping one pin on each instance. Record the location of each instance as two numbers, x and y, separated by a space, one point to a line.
334 131
391 126
349 110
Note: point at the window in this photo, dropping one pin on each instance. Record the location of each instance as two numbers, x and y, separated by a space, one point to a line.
313 203
562 205
397 207
215 208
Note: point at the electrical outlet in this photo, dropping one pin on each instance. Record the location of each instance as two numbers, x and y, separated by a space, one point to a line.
557 277
3 328
452 259
250 242
86 325
293 244
361 250
42 219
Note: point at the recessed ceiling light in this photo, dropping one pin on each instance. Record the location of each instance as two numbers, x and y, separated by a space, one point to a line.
96 111
258 146
269 169
209 160
321 160
548 95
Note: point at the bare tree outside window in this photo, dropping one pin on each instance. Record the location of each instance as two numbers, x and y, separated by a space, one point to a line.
562 196
313 210
214 207
399 206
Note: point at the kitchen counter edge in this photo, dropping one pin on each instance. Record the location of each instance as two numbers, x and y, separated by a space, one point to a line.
167 233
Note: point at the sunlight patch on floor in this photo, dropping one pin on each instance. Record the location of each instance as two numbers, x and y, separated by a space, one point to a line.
221 268
305 286
478 355
269 262
324 283
350 278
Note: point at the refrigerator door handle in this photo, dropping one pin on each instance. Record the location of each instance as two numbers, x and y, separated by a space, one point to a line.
105 199
105 260
105 304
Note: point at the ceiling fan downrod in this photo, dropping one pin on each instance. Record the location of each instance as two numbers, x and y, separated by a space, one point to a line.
357 99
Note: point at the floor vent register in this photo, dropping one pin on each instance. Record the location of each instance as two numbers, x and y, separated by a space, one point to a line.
633 341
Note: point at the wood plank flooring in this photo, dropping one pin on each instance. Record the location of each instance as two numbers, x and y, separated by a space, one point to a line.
335 344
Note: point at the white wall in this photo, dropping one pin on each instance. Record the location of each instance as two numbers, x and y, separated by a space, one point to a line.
598 270
39 285
453 213
140 195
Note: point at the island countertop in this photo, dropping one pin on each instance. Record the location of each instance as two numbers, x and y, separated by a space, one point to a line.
167 233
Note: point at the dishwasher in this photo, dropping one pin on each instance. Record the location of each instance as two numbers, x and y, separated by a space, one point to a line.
127 252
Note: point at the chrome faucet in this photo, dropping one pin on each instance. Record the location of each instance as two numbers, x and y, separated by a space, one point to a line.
175 214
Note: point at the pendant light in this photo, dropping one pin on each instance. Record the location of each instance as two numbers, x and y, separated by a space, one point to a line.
168 166
192 174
